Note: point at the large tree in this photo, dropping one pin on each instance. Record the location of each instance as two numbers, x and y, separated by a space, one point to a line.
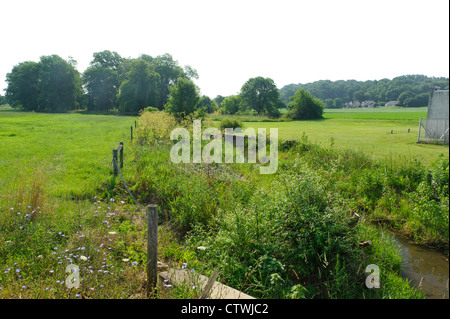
102 80
170 71
262 95
50 85
59 85
22 89
184 97
140 89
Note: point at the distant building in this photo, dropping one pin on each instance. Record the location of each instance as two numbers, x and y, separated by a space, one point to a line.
368 103
391 103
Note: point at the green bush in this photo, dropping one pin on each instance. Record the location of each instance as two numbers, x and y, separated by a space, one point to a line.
230 123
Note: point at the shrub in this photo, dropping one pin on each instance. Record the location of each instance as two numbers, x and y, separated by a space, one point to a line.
230 123
154 127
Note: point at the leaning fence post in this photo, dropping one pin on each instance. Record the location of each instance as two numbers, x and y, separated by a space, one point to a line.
152 245
115 162
121 154
131 127
209 284
420 126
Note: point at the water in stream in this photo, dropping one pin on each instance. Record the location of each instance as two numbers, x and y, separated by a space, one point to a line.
425 267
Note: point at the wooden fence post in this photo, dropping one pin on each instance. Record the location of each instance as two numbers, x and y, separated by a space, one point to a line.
115 162
152 246
121 154
131 127
209 284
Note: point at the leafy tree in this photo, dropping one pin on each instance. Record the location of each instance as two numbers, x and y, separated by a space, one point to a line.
140 89
261 94
22 89
210 106
59 85
219 99
3 100
107 59
101 80
169 72
102 86
184 97
304 106
231 104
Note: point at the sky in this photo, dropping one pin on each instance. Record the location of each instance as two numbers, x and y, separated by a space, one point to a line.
229 42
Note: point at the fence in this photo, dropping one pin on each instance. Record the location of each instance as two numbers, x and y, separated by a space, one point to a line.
433 130
152 242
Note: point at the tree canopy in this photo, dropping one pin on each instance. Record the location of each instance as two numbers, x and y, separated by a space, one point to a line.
52 84
380 91
262 95
183 99
304 106
112 82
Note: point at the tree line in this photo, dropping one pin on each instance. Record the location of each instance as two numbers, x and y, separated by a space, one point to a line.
409 90
111 82
128 85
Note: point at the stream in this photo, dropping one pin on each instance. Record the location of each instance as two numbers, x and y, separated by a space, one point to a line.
424 266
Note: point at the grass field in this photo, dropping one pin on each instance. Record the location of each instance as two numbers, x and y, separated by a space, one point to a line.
366 130
59 204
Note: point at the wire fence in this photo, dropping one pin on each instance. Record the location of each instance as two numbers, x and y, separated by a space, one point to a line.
433 130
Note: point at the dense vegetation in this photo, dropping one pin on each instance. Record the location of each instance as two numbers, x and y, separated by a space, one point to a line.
408 90
294 234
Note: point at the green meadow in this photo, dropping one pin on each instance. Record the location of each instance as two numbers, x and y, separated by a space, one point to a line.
293 234
379 133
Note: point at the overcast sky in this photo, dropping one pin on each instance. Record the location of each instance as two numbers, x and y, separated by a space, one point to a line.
228 42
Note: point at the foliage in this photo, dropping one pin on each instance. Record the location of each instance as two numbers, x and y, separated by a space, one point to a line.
304 106
140 88
231 104
230 123
377 90
206 103
154 127
184 98
101 80
261 94
52 84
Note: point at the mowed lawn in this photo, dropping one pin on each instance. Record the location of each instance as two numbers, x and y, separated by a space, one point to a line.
68 154
380 133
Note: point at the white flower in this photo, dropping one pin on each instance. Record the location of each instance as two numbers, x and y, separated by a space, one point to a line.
201 247
84 258
125 259
112 233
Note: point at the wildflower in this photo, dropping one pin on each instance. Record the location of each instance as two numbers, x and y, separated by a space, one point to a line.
134 263
111 233
125 259
84 258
